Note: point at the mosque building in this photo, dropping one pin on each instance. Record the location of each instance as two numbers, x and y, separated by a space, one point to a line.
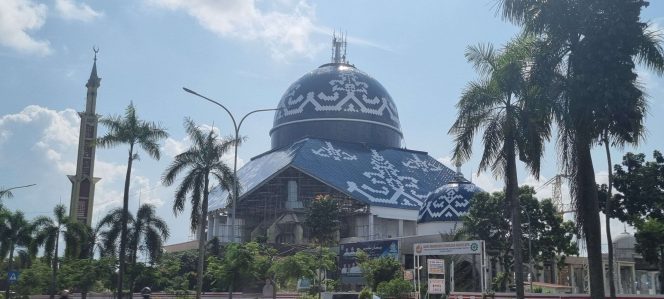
337 132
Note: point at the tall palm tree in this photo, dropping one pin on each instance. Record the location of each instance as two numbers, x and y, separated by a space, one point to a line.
499 103
15 231
201 161
593 45
47 234
134 132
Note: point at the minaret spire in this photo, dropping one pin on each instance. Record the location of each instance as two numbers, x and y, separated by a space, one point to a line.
83 182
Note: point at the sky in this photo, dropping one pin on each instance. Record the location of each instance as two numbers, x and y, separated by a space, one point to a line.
244 54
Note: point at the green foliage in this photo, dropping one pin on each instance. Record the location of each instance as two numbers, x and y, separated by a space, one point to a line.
650 240
640 186
235 267
395 288
83 274
303 264
35 279
378 270
550 236
365 294
323 219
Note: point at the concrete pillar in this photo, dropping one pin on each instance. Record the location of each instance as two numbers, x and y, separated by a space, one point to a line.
210 226
400 233
371 227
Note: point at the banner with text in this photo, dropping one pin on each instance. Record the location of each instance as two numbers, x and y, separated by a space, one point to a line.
448 248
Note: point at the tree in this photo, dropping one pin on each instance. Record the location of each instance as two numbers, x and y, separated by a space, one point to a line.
640 198
48 232
134 132
83 274
550 237
322 219
589 52
146 231
235 266
202 160
304 264
265 257
640 186
513 121
650 243
378 270
15 231
487 220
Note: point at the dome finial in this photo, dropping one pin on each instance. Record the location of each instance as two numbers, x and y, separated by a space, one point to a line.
458 169
338 46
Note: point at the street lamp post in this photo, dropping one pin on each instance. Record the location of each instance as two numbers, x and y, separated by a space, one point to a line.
236 127
530 250
8 193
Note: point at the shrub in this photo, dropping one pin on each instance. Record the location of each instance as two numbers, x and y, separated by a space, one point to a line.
395 288
366 294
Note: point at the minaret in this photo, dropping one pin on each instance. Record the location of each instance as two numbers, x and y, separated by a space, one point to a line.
83 183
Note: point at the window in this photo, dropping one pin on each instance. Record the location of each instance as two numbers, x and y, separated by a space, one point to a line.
285 238
89 131
86 166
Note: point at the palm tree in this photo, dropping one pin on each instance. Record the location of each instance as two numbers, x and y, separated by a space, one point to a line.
135 132
201 161
16 231
499 103
599 90
47 234
110 227
147 232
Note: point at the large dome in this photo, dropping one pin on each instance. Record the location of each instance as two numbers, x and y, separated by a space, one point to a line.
339 102
449 202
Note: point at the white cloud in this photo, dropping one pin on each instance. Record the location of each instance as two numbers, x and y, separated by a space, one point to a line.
70 10
285 28
17 19
174 147
50 140
486 181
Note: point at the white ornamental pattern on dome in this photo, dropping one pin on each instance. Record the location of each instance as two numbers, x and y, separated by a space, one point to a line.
424 165
388 186
451 204
355 99
328 151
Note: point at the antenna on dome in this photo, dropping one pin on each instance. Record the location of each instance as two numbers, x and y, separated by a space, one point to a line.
338 46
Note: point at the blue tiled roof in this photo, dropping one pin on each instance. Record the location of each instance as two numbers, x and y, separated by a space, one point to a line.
448 203
379 176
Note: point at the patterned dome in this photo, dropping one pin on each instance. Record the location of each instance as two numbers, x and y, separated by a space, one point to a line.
339 102
449 202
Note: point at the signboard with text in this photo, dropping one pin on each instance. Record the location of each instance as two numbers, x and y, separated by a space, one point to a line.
374 249
448 248
436 286
436 266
